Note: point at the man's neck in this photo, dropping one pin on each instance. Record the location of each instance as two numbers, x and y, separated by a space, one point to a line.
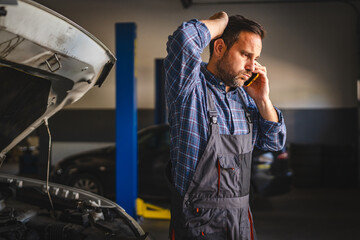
212 69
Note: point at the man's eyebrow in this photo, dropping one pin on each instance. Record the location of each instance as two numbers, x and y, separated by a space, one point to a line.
249 53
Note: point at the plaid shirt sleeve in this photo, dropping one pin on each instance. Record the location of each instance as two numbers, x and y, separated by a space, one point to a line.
183 61
271 136
183 97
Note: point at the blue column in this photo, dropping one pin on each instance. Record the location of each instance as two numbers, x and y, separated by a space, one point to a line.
126 118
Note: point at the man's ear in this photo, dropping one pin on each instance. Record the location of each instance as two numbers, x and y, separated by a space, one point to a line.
219 47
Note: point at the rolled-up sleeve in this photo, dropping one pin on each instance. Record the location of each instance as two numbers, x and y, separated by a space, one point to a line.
272 135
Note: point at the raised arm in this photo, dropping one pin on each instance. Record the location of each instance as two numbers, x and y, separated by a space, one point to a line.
260 92
184 47
216 24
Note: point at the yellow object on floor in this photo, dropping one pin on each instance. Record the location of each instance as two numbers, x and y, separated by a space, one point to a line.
148 210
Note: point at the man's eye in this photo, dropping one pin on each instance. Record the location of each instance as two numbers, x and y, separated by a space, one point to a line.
246 54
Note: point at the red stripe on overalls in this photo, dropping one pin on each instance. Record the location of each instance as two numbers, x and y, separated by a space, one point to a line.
172 234
218 177
251 225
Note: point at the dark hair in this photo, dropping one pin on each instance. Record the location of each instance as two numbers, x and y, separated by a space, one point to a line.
237 24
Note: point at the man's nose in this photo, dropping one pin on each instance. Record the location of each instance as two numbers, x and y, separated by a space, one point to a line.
250 66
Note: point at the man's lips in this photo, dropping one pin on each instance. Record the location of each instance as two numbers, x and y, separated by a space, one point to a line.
247 76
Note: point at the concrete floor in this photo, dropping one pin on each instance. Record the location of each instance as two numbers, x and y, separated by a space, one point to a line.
302 214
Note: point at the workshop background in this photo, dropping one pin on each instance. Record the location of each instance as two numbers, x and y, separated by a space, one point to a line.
311 52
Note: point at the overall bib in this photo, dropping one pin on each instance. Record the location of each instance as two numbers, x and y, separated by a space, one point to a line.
216 204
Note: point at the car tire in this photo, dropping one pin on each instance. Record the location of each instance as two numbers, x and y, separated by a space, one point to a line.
87 182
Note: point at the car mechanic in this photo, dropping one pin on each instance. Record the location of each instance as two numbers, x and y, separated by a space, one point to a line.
215 122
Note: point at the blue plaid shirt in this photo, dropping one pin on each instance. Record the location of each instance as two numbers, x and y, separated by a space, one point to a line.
186 81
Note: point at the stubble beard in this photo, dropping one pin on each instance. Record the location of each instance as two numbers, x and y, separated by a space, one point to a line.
228 76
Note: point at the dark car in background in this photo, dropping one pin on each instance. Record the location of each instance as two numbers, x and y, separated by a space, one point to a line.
95 170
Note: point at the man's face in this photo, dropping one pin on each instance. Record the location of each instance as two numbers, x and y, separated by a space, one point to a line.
237 63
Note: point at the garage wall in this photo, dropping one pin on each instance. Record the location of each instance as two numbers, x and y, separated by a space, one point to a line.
310 53
310 50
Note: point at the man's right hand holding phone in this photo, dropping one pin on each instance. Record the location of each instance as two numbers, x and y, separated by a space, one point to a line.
259 90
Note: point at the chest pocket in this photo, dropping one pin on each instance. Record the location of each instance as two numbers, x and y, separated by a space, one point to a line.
233 174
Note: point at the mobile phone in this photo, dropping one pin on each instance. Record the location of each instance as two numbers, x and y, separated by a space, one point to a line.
253 77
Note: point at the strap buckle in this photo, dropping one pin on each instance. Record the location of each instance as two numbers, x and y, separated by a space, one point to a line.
213 120
213 117
248 116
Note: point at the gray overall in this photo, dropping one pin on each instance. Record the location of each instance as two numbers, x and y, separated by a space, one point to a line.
216 204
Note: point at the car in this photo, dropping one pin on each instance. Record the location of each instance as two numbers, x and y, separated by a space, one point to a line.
46 63
94 170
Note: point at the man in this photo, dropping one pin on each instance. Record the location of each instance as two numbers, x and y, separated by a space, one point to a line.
215 122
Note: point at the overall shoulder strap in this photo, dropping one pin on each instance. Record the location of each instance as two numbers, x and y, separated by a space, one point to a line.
212 113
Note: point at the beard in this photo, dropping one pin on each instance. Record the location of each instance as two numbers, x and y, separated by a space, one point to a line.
229 76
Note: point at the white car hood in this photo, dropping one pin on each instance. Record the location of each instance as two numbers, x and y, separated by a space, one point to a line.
46 63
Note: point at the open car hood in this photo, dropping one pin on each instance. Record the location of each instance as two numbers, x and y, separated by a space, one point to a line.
46 63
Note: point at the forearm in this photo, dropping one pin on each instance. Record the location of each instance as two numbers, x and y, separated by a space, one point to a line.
267 110
260 92
216 24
